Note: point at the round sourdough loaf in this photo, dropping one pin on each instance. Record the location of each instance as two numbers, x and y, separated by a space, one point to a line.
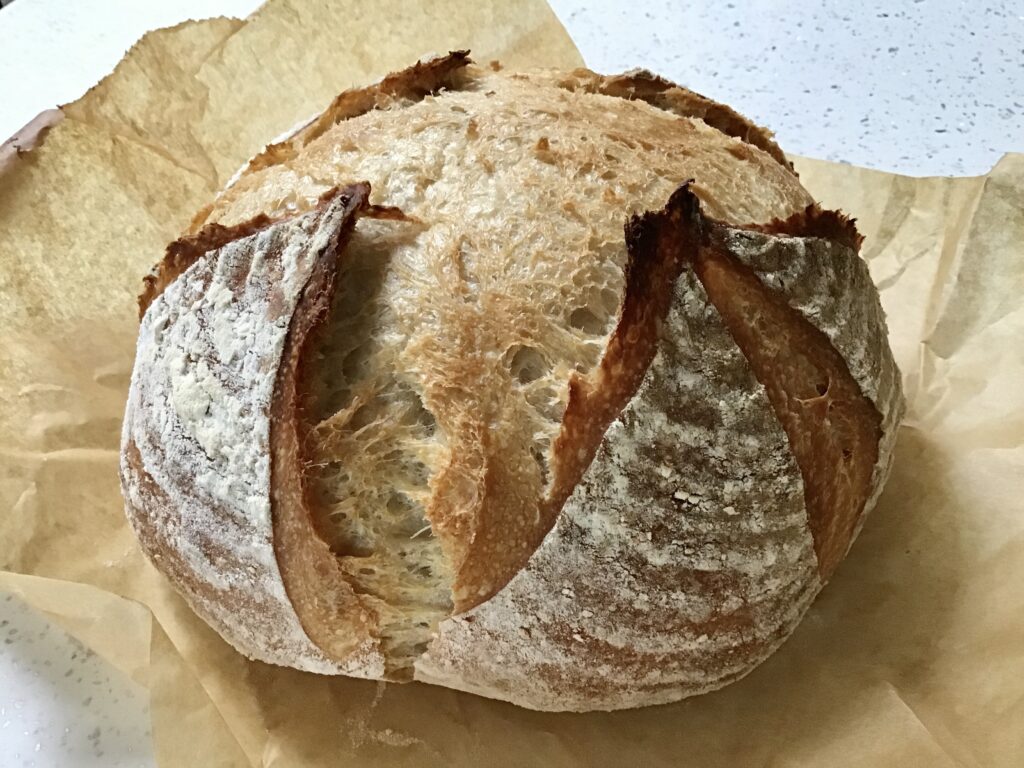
552 387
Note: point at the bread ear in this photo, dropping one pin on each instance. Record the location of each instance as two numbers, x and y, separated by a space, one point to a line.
642 85
413 83
706 522
210 430
834 428
621 508
336 617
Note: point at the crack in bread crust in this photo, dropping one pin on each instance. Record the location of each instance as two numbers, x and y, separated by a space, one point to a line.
684 555
834 430
197 440
595 399
616 514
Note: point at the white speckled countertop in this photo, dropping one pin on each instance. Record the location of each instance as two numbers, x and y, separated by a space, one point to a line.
929 87
60 705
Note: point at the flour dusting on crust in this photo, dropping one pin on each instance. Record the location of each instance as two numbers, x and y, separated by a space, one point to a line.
195 463
831 286
683 558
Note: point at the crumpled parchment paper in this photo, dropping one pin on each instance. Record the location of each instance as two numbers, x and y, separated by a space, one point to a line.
913 655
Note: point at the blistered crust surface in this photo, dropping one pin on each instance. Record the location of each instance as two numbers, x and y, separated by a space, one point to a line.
512 280
195 466
684 557
680 561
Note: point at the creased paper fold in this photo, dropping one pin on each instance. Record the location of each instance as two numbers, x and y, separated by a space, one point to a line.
913 656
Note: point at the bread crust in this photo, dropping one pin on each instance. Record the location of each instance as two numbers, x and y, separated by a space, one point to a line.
664 94
689 520
684 555
413 83
484 500
196 449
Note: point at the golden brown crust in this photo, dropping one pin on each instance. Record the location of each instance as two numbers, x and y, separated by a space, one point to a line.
813 221
413 83
489 504
628 507
657 244
663 144
696 539
328 607
664 94
639 595
652 266
188 249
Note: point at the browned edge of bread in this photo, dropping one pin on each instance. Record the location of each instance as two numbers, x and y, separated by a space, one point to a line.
432 75
653 263
412 83
594 619
596 399
333 616
652 266
187 250
322 597
655 90
814 221
834 430
196 477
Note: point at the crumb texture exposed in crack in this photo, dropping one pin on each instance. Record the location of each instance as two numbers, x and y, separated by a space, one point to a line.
196 445
445 370
687 552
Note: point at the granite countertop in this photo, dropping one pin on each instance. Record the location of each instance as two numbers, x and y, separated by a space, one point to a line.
893 86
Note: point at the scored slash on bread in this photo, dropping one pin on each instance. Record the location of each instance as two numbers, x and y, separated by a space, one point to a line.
499 446
703 527
198 440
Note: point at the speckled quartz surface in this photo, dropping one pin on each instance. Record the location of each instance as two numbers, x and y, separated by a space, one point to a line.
923 88
61 705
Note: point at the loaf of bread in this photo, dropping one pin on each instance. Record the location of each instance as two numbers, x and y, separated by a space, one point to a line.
552 387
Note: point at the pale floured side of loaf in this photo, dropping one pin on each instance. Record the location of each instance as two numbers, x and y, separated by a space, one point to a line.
684 556
196 455
845 403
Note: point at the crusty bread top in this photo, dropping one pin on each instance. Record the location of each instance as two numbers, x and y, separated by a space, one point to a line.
645 86
497 358
521 183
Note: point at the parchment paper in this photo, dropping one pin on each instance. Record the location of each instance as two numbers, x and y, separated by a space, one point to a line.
913 655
